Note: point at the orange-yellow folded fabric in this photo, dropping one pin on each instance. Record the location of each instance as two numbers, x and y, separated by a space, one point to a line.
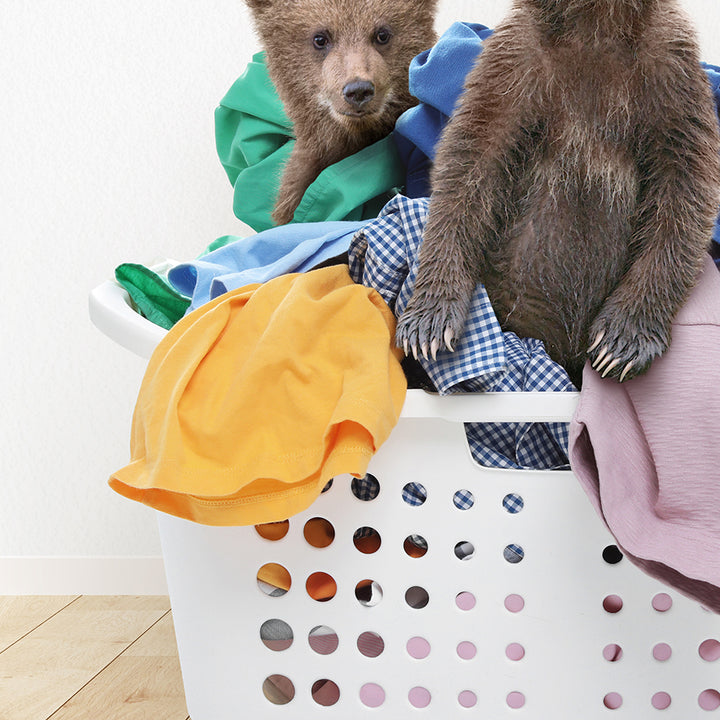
251 403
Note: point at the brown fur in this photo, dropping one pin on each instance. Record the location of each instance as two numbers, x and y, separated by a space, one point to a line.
311 81
579 180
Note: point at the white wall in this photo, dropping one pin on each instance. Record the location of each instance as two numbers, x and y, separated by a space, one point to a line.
106 156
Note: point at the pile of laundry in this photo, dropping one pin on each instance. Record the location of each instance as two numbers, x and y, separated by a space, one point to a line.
280 369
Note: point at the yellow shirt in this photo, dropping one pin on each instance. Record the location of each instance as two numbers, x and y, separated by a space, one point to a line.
252 402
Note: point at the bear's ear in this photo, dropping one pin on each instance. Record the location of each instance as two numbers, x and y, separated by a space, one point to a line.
258 5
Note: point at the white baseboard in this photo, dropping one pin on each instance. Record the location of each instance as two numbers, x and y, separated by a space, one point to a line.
82 576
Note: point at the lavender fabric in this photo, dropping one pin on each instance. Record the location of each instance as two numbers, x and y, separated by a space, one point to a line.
645 451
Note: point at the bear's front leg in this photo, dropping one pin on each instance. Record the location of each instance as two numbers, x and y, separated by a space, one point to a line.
677 207
479 158
435 315
301 169
631 330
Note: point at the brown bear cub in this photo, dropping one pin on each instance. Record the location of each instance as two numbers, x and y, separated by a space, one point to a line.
341 70
578 180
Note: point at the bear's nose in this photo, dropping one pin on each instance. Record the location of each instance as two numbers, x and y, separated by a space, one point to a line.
358 92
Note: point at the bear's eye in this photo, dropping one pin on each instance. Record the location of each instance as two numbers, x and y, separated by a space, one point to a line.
321 41
383 36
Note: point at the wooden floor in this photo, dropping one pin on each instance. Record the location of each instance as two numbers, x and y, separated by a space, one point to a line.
89 658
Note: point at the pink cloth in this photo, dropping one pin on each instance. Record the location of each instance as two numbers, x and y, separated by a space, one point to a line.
647 453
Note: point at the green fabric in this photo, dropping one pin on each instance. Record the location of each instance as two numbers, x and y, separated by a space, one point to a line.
254 140
154 298
219 243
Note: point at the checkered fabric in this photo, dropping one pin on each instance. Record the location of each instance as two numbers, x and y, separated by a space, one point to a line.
513 554
365 488
513 503
384 255
418 541
463 499
414 494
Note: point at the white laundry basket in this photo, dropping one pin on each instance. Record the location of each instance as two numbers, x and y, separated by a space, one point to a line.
536 617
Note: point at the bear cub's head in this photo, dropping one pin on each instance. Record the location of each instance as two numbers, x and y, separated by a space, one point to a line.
341 66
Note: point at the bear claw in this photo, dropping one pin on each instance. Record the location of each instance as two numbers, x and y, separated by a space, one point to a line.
625 371
449 338
598 338
429 325
625 348
609 367
605 363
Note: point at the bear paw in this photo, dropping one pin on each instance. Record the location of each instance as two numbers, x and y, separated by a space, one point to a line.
623 349
430 323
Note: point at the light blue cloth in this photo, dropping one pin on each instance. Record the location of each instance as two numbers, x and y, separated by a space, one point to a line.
256 259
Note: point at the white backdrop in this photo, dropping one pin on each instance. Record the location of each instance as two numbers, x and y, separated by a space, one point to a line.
107 155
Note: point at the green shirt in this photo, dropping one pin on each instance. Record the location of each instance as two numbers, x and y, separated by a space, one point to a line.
254 138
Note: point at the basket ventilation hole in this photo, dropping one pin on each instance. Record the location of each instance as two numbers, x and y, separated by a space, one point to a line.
418 648
328 485
367 540
515 652
416 546
323 640
709 650
709 699
463 499
368 593
513 553
274 580
419 697
466 650
319 532
278 689
465 600
514 603
612 701
467 698
276 635
612 652
273 531
365 488
662 652
661 701
612 555
612 604
414 494
515 700
372 695
417 597
325 692
321 587
662 602
513 503
464 550
370 644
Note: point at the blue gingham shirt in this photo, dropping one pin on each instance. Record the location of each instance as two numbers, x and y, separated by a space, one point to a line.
384 255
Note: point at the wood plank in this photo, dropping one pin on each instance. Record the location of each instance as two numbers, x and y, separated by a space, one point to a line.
158 641
144 682
19 615
59 657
